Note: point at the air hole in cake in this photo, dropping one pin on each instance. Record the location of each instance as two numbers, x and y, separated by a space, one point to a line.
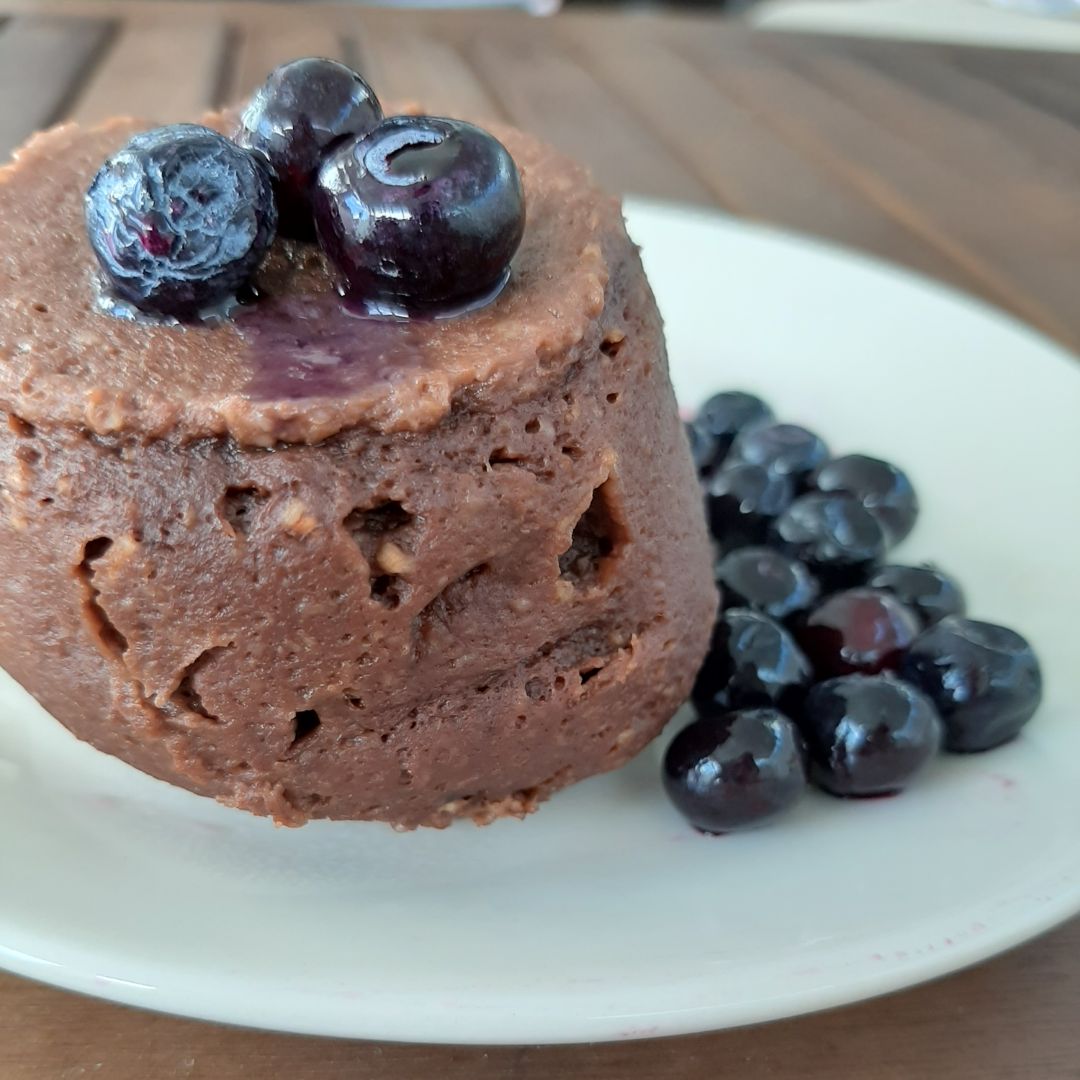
109 638
186 696
536 690
240 504
23 428
305 724
612 398
590 673
612 343
533 426
595 539
501 456
439 613
389 590
353 700
572 451
371 526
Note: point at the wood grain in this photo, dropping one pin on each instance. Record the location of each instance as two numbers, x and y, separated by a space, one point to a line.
958 162
169 66
745 167
545 90
42 60
1011 1019
260 46
968 221
423 67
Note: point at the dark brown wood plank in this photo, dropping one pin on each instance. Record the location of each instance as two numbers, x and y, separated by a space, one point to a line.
986 165
963 120
163 69
961 215
544 89
1011 1019
1045 81
264 43
407 64
747 168
42 60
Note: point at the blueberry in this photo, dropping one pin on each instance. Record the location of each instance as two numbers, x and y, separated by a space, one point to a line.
882 488
985 680
786 449
868 735
735 771
858 630
420 212
179 219
929 592
725 415
767 581
742 502
752 661
702 447
303 109
835 535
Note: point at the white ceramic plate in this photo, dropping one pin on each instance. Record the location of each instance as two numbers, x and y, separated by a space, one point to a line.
603 916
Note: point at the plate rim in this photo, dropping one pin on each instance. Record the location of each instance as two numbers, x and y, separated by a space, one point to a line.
514 1029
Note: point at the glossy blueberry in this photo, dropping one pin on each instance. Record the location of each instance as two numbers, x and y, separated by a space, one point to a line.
985 680
743 501
752 661
766 580
926 590
786 449
726 414
702 447
868 735
421 212
835 535
882 488
736 770
858 630
179 219
304 108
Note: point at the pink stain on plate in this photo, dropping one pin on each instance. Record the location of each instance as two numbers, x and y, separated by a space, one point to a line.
639 1032
1006 783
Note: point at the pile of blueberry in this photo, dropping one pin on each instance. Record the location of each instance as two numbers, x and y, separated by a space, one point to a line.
416 213
826 665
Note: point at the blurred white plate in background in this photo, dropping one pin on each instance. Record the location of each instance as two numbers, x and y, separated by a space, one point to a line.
1003 24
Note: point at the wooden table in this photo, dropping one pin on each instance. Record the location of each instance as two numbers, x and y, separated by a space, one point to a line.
961 163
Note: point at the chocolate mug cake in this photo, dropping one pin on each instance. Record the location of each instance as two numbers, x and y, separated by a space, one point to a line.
341 477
